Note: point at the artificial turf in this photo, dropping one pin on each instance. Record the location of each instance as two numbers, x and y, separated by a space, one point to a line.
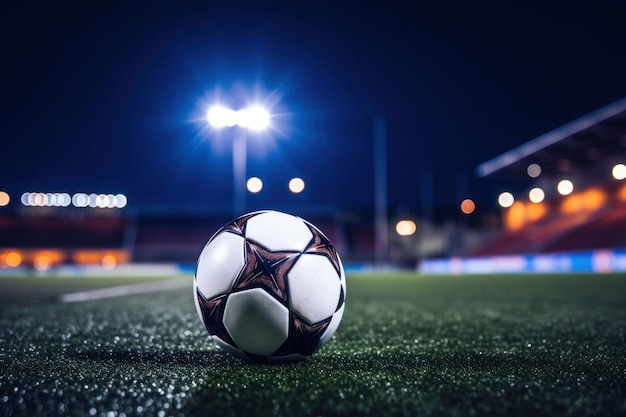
409 344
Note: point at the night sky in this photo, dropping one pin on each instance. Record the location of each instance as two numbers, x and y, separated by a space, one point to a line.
109 97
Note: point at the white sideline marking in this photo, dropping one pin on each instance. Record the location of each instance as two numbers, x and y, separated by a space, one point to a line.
122 290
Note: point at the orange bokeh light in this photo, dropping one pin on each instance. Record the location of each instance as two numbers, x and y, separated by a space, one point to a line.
622 193
515 216
573 204
535 211
42 263
468 206
4 198
101 257
406 227
109 262
594 199
13 259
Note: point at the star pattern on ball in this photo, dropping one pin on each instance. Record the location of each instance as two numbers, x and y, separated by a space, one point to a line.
320 245
267 270
303 338
238 226
212 312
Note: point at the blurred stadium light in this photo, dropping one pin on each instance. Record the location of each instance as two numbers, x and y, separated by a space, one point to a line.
12 259
4 198
536 195
506 199
565 187
80 200
109 262
254 184
296 185
534 170
468 206
619 171
535 211
406 227
252 118
515 216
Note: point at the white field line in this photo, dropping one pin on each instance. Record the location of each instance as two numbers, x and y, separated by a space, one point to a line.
122 290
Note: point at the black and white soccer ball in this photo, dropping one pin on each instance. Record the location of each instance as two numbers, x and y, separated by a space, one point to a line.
270 287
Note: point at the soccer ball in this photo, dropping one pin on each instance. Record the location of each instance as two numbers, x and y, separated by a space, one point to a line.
270 287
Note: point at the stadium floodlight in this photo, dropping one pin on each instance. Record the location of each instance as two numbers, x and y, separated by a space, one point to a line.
219 116
254 118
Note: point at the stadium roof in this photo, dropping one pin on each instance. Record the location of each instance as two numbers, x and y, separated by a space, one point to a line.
576 146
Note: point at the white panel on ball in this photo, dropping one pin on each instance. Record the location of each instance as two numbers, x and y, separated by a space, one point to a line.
256 321
314 288
220 263
278 231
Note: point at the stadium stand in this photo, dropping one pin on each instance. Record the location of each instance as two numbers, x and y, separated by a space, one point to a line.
57 230
43 238
534 237
607 229
593 216
173 238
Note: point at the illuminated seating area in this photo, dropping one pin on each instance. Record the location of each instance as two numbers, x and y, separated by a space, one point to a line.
44 240
591 219
606 230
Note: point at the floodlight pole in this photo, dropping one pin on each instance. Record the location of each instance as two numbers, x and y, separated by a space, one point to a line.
380 189
255 118
239 171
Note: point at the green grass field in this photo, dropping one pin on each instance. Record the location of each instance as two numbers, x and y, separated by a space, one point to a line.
410 345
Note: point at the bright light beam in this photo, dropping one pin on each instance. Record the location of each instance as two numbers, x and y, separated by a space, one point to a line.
253 118
219 117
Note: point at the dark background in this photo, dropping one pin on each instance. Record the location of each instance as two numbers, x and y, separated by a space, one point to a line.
110 97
